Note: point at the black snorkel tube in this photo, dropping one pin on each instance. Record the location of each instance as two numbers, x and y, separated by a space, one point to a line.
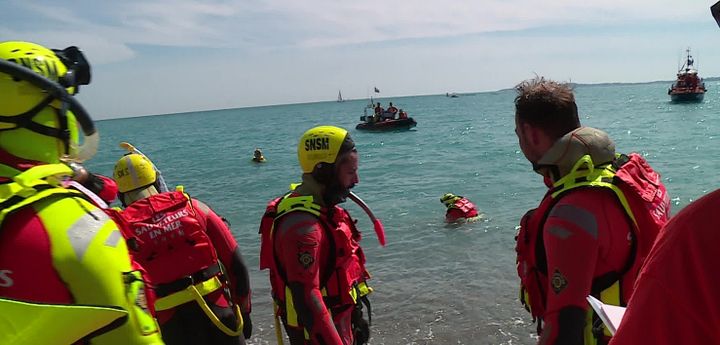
379 228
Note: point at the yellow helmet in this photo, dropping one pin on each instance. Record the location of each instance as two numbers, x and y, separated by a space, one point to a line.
449 198
39 119
322 144
132 172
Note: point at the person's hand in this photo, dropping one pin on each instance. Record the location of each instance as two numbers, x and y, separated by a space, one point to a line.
80 174
247 326
360 327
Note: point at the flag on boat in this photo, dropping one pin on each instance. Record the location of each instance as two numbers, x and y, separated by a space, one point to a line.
377 90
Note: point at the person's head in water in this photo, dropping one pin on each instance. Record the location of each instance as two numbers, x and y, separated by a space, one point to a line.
258 153
328 154
449 199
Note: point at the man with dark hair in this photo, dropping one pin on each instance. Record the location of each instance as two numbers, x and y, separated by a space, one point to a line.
312 247
594 226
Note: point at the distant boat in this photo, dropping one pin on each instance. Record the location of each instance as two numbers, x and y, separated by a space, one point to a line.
688 87
451 95
340 99
386 121
387 125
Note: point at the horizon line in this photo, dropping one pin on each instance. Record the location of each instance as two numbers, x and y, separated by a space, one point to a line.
397 96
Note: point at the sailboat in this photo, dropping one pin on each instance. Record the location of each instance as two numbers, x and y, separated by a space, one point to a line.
340 99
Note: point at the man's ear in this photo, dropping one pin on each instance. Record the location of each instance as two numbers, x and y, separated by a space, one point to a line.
538 138
531 133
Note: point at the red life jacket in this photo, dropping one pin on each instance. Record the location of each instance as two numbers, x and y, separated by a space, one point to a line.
644 198
467 208
170 236
343 277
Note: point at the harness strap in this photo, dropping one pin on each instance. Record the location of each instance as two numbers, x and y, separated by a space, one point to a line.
33 185
366 302
203 305
183 296
585 174
162 290
278 331
307 204
196 293
358 292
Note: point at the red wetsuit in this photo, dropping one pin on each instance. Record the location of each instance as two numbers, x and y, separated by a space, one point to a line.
311 252
677 300
303 251
586 235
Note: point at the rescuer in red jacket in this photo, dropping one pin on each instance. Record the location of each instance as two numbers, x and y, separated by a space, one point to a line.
596 223
459 209
312 247
200 279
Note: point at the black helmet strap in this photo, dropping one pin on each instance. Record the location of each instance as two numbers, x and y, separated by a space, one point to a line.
54 90
25 120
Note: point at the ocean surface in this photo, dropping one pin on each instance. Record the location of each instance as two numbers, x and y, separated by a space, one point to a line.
434 283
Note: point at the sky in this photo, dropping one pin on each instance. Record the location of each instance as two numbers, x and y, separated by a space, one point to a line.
169 56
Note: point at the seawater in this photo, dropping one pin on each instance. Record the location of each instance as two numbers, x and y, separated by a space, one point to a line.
434 283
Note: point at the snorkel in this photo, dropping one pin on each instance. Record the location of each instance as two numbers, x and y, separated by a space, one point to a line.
377 224
162 186
379 228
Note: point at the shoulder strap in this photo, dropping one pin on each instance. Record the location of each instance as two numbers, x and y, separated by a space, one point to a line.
289 204
585 174
33 185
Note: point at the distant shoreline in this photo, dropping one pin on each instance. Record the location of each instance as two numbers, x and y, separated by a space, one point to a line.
401 96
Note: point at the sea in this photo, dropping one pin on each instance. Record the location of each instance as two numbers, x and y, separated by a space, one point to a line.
433 283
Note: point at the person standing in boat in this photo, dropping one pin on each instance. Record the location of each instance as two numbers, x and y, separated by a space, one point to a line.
378 113
594 227
391 112
379 109
402 115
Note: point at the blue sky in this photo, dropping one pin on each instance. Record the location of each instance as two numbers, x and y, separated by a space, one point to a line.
167 56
